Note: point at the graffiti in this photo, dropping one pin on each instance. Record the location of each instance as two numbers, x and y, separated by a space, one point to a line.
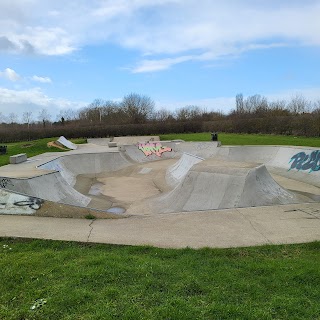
14 203
303 161
32 203
4 182
153 148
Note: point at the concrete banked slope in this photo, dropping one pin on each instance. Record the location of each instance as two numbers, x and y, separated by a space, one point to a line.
218 185
201 175
58 185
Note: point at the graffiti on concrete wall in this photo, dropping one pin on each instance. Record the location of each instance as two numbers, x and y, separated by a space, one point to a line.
303 161
4 182
13 203
153 148
32 203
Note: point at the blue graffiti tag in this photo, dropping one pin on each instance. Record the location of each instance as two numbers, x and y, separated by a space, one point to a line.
303 161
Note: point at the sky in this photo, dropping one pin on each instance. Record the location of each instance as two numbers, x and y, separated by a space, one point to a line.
59 55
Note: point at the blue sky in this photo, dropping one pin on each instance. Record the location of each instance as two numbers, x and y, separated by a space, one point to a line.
58 55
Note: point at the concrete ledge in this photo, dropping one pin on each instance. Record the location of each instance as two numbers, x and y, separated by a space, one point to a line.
18 158
112 144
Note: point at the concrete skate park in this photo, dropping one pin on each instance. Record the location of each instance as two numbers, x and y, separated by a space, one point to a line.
143 191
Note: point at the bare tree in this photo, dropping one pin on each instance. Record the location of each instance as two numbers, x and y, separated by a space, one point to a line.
12 118
68 115
189 113
138 108
239 103
316 116
3 118
163 115
27 117
278 108
98 106
44 116
299 104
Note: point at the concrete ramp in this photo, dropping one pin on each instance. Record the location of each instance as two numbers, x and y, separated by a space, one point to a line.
52 187
180 169
14 203
58 185
217 185
200 149
66 143
159 150
169 176
71 166
298 163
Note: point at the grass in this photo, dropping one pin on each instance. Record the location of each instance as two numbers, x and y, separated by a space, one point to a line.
246 139
95 281
31 148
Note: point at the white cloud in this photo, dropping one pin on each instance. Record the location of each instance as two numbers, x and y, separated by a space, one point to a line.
13 76
41 79
33 100
10 74
171 28
158 65
311 94
226 104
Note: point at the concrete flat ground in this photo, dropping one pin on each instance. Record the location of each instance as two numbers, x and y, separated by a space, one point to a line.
149 190
239 227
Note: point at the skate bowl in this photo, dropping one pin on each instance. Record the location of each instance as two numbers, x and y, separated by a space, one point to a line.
163 177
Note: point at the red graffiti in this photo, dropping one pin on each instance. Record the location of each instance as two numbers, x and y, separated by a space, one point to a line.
153 148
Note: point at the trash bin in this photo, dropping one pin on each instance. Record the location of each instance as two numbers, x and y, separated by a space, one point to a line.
214 136
3 149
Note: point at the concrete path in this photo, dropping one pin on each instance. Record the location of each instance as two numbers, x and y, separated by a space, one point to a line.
239 227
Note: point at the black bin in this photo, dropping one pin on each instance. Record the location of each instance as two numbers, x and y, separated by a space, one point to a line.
214 136
3 149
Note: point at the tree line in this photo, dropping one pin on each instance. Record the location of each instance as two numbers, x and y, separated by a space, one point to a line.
136 115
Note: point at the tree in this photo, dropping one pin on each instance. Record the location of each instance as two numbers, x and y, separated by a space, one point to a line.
138 108
12 118
97 106
316 116
27 117
239 103
3 118
299 104
68 115
163 115
44 116
189 113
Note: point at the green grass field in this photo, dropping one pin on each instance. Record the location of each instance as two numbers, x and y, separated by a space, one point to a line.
31 148
92 281
246 139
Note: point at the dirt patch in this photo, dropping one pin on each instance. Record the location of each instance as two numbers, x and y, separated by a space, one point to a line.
55 145
58 210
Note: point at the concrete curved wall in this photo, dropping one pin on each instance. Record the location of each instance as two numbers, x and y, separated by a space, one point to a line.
209 177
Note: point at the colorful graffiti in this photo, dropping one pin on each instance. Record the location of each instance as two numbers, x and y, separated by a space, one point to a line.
153 148
303 161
